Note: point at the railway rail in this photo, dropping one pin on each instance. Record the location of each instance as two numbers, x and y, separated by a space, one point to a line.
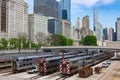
6 70
62 78
34 77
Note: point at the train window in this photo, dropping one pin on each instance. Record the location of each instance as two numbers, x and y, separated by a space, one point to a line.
30 58
17 60
23 59
47 67
30 63
20 65
23 64
27 60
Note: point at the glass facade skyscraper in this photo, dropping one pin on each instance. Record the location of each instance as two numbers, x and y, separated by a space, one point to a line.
118 28
54 26
65 9
105 33
64 14
47 8
98 28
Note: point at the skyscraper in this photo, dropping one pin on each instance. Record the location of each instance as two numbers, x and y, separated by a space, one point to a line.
85 21
111 34
118 28
105 33
14 17
64 14
47 8
95 13
98 31
65 9
54 26
78 23
37 24
66 28
97 26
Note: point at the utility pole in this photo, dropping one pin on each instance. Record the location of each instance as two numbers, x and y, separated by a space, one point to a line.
63 53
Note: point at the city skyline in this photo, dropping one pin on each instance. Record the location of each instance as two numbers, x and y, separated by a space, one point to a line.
81 8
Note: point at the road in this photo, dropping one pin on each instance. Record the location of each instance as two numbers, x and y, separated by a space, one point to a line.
113 73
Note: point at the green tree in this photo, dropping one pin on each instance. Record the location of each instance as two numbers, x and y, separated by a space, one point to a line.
13 43
69 42
89 40
4 43
58 40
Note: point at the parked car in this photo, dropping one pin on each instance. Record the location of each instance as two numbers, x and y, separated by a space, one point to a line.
104 65
34 70
108 62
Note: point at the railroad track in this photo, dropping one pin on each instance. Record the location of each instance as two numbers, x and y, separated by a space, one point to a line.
34 77
11 73
5 71
62 78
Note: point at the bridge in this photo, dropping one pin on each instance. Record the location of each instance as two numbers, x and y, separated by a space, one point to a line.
75 49
80 48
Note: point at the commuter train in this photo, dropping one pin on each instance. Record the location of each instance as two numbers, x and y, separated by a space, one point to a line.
51 64
72 65
19 63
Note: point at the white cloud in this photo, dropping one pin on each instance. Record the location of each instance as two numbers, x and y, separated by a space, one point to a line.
90 3
107 1
57 0
84 2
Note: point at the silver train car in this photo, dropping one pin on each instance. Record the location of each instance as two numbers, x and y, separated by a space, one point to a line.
26 62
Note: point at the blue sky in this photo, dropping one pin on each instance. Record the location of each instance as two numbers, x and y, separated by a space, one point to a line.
109 10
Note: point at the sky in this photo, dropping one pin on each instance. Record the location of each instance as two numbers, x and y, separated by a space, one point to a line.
108 10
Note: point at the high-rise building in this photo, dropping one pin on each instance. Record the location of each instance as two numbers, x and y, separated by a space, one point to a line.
14 17
49 8
78 23
98 31
111 34
115 37
85 21
64 14
37 24
97 26
66 28
95 13
118 28
105 33
65 9
54 26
